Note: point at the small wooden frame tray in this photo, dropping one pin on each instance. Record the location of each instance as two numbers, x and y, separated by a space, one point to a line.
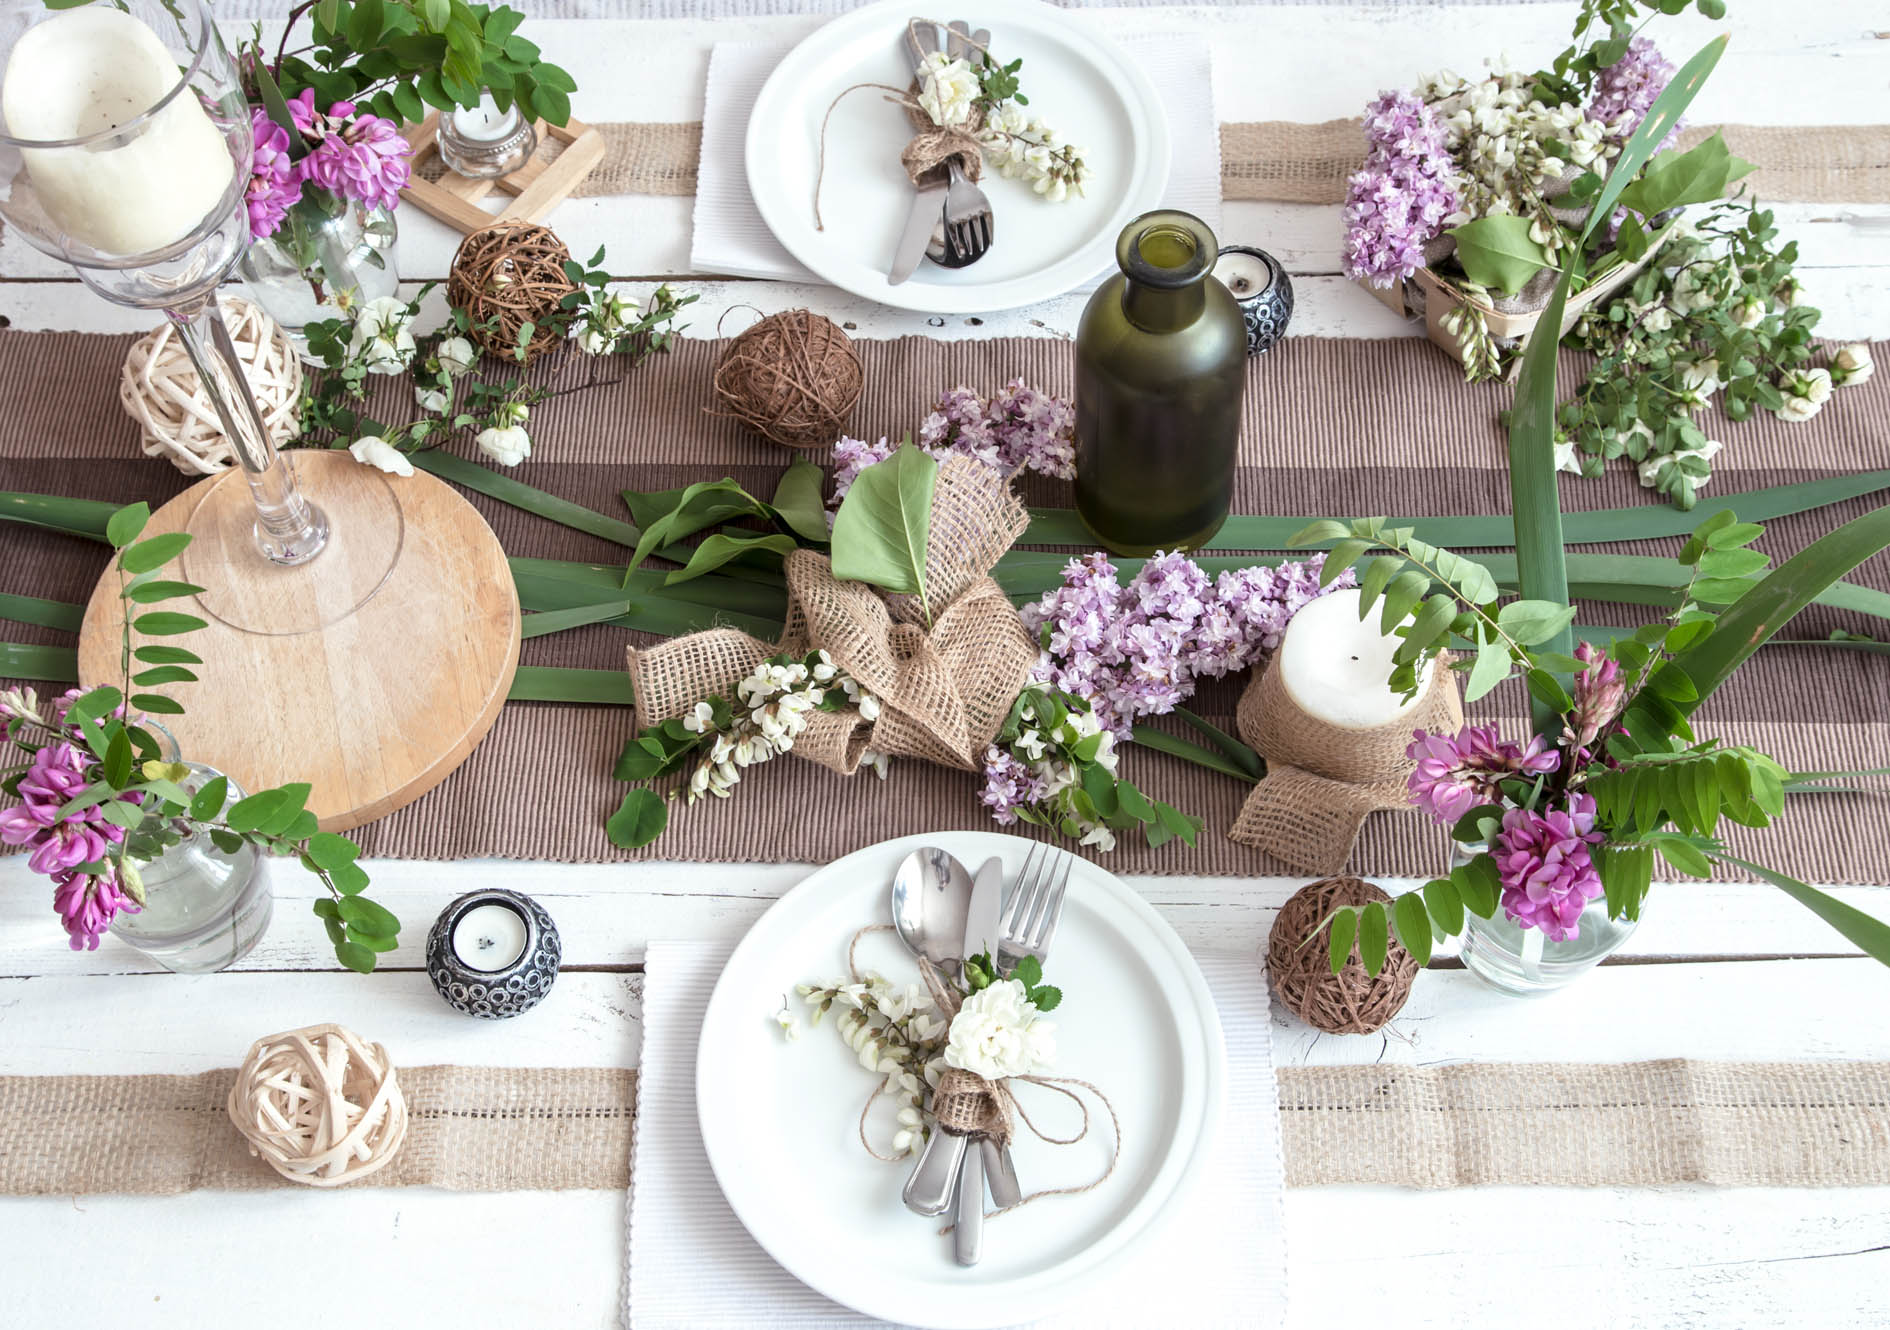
536 187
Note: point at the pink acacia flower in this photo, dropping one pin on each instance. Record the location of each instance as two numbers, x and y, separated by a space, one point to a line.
1548 874
1454 775
275 184
1600 692
87 903
354 155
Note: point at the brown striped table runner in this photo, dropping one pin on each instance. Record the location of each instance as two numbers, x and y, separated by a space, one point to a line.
1283 161
1793 1124
1332 426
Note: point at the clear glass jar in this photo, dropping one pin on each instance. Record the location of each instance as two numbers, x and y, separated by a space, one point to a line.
204 907
319 262
1525 962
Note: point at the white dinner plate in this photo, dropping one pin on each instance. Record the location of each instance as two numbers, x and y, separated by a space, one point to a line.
780 1120
1083 86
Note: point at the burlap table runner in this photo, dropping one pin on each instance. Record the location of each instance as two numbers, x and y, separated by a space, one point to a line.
1791 1124
1330 426
1286 161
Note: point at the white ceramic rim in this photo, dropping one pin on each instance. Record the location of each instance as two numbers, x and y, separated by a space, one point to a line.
1142 107
982 1306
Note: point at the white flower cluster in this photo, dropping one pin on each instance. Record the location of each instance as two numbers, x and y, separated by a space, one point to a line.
1018 144
505 440
1500 133
1806 391
607 316
383 335
894 1032
999 1032
773 706
948 90
1852 366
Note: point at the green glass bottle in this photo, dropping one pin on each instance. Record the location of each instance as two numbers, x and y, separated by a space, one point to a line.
1161 360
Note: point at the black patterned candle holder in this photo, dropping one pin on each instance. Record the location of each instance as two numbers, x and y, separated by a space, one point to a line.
1264 292
493 954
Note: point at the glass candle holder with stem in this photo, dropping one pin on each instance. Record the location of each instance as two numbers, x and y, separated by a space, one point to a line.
125 150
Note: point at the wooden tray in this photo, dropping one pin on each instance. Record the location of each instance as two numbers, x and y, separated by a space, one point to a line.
536 187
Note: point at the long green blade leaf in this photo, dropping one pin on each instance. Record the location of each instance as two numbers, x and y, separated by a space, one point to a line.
1233 749
490 483
43 664
539 683
1163 742
556 589
45 613
1867 932
55 512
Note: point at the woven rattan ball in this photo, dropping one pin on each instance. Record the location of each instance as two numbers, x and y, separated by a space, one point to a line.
793 378
1351 1001
160 389
508 275
320 1105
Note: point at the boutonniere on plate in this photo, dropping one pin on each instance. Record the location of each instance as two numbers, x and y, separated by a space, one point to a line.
976 95
1477 193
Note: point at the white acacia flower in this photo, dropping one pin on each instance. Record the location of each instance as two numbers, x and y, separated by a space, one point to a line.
790 1023
701 720
1701 376
947 89
1030 743
372 450
1751 312
435 400
998 1033
1101 837
1852 366
880 763
507 446
383 335
869 707
1566 457
911 1133
456 355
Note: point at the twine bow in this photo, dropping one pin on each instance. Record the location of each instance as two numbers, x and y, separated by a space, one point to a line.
943 692
1322 781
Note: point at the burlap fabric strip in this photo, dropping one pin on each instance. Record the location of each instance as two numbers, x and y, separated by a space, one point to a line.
943 692
1322 781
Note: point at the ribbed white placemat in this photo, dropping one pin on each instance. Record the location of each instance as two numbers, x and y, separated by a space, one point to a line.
730 237
1219 1264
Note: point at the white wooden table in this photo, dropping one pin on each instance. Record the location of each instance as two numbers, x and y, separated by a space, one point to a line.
1714 972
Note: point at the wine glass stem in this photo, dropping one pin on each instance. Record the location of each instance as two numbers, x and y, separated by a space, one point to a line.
289 529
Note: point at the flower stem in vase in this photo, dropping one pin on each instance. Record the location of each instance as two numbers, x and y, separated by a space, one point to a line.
289 530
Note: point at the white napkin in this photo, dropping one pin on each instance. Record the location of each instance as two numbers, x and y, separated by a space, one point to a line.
692 1266
731 238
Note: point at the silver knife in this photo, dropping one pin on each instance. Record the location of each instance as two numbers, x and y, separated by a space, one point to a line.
981 937
928 211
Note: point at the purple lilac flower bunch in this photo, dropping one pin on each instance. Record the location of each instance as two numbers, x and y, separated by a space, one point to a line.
352 155
1547 872
1403 196
1625 91
69 849
1454 774
1010 783
1137 650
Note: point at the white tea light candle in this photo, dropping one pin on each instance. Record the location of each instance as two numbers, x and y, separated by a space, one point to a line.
489 937
89 71
1244 274
484 123
482 141
1335 665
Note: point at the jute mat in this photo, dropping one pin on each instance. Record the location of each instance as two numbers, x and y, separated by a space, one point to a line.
1330 427
1285 161
1727 1124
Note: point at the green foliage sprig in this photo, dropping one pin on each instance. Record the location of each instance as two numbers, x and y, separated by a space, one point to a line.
275 821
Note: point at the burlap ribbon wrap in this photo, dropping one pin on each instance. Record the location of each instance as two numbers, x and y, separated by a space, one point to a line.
1323 781
933 144
943 692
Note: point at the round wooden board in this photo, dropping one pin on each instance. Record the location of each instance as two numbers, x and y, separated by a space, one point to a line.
370 673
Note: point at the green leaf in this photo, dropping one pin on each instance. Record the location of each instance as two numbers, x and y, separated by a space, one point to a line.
1533 622
1684 857
154 553
151 592
1028 971
163 674
1866 932
1374 936
1313 533
798 503
547 683
1546 689
331 852
364 24
1701 174
1497 252
1405 591
490 483
247 815
720 547
118 761
1341 556
46 613
1490 668
1478 825
1479 884
1445 905
1414 926
126 524
1047 998
207 802
166 623
1237 752
355 956
1344 929
639 819
153 654
364 916
1431 623
881 530
156 704
1134 802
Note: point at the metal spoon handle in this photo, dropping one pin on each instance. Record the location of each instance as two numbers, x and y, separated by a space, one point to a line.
1000 1173
968 1224
931 1188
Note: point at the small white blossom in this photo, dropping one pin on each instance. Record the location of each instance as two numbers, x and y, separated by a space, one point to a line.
435 400
1852 366
512 413
947 89
999 1033
508 446
456 355
372 450
1654 468
879 763
383 335
1806 392
701 720
790 1024
1751 312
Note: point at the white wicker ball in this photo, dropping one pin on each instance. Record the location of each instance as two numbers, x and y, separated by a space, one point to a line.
320 1105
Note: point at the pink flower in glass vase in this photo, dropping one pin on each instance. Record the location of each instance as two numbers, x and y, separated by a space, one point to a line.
1548 875
87 903
275 185
1454 775
1600 692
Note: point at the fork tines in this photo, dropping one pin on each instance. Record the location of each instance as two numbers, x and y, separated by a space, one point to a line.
1030 916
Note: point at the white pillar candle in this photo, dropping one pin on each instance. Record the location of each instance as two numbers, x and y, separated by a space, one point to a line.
1334 665
93 69
489 937
484 123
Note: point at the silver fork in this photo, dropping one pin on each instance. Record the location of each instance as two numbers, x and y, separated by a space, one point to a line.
968 222
1030 915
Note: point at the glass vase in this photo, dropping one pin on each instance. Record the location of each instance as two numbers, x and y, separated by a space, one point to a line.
1161 362
204 907
328 255
1525 962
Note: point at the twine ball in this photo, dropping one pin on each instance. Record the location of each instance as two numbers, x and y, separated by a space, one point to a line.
320 1105
794 378
1351 1001
161 390
508 275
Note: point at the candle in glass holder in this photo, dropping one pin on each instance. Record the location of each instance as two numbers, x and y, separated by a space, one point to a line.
1335 665
482 141
91 70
